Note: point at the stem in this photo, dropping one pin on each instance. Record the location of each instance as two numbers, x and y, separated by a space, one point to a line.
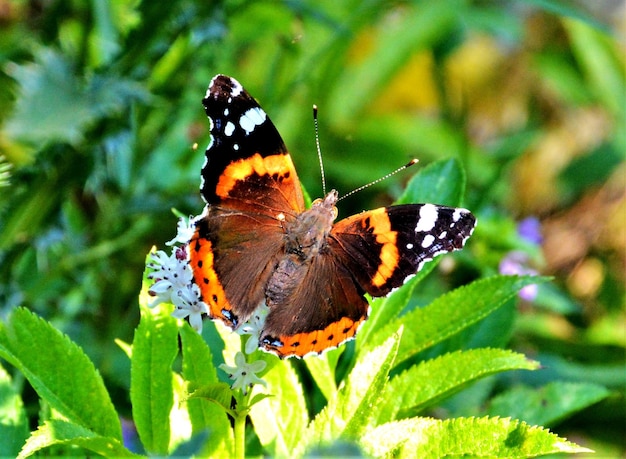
240 435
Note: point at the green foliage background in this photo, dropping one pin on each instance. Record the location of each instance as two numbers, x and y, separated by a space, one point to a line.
100 111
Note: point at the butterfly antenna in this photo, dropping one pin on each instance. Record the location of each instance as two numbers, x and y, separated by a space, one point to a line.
319 150
384 177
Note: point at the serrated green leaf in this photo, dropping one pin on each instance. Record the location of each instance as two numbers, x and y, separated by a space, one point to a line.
451 313
429 382
386 309
155 346
199 372
322 369
58 432
546 405
464 437
60 373
13 424
280 420
71 103
365 384
349 413
441 182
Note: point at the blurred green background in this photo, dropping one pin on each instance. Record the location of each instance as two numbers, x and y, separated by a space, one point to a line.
100 112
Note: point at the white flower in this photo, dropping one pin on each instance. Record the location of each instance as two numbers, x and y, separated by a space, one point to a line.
253 327
170 273
189 304
244 374
184 232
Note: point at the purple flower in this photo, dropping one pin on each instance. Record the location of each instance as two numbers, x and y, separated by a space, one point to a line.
529 229
515 263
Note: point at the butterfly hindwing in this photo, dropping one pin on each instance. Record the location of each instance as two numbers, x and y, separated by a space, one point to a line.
324 310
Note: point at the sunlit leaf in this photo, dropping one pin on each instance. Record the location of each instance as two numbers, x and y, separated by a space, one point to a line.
77 392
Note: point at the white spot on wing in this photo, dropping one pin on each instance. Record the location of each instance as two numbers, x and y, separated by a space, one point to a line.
237 88
443 234
458 213
229 129
428 241
409 246
251 119
428 218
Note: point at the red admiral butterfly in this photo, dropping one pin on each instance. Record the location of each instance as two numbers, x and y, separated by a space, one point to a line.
255 242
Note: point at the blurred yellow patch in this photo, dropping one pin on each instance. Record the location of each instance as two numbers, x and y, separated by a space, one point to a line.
487 85
472 68
413 88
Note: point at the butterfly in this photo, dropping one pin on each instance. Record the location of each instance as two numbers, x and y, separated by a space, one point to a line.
256 245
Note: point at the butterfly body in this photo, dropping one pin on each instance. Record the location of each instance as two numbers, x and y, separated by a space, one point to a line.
256 243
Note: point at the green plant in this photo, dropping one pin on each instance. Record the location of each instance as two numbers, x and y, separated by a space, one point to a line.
370 395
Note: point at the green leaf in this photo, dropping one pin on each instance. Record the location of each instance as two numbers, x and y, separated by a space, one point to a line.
385 309
441 182
13 424
431 381
322 369
559 74
451 313
59 432
598 55
463 437
104 42
349 413
155 346
218 393
546 405
198 371
417 28
71 104
280 420
60 373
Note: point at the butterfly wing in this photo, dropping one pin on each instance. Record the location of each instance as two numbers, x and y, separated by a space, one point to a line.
386 246
371 252
325 308
251 188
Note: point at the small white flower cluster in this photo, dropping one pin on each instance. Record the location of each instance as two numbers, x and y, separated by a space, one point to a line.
243 373
173 282
253 327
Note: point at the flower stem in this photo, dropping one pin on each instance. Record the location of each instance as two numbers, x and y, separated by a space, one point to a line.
240 435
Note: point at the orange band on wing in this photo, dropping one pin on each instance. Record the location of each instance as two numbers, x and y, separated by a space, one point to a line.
389 255
315 342
204 275
280 167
